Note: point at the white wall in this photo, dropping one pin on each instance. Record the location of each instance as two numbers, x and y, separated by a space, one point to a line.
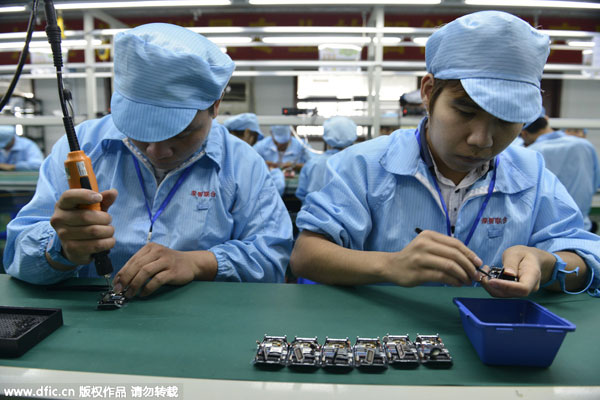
581 99
271 94
46 90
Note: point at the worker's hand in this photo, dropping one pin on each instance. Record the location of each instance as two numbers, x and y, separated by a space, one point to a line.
155 265
526 264
83 232
272 165
433 257
7 167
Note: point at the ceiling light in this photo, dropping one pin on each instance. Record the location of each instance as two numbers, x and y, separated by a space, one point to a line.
12 9
229 40
135 4
344 2
421 41
577 43
34 46
314 40
534 3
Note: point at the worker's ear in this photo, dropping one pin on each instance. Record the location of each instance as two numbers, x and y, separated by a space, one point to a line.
216 107
426 89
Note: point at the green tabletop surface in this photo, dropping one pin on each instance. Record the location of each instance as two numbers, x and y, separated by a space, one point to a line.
19 176
209 330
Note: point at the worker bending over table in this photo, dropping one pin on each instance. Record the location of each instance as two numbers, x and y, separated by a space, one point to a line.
435 203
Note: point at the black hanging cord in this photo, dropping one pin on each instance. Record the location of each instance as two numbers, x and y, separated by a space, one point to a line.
53 32
22 58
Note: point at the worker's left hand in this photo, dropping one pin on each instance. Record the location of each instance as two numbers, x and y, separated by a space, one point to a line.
155 265
526 264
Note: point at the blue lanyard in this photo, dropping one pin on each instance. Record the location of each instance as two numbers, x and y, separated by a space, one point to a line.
481 209
162 207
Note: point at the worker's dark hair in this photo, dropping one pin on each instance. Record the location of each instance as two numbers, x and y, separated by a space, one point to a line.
438 87
537 125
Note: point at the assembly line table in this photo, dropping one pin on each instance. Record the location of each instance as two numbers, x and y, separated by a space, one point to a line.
202 337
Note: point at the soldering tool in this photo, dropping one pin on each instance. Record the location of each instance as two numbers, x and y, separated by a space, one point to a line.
77 165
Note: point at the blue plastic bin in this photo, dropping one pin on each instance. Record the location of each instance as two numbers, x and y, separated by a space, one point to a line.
512 331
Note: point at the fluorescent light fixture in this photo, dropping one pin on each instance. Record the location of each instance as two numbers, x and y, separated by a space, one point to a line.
421 41
35 35
344 2
12 9
229 40
534 3
577 43
39 45
314 40
135 4
388 41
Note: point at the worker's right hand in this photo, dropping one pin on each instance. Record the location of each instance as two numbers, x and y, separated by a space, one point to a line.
433 257
83 232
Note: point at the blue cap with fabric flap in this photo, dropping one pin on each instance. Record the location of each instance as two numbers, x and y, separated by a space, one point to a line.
165 74
7 133
244 121
281 133
339 132
498 58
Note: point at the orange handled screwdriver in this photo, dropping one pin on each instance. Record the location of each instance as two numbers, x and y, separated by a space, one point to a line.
78 165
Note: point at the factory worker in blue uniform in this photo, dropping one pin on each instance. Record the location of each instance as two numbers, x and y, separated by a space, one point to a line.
245 127
18 153
182 199
572 159
338 133
433 204
281 150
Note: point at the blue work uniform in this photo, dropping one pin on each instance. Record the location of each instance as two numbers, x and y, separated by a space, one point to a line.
295 153
378 192
312 174
227 204
278 180
24 154
575 163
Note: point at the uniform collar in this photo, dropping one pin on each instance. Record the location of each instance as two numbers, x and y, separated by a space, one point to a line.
550 136
403 157
18 145
212 146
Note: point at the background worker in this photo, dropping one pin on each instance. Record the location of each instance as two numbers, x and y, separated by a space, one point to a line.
18 153
338 133
432 205
283 151
245 126
572 159
188 201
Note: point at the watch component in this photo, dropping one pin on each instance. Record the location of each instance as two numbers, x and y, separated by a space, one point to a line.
432 352
400 351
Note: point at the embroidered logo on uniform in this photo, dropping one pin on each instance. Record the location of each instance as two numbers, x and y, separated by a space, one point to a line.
494 220
202 193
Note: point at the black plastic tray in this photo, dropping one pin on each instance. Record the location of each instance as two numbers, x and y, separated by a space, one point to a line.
21 328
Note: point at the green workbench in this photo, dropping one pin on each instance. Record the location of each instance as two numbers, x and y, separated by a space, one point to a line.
209 330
